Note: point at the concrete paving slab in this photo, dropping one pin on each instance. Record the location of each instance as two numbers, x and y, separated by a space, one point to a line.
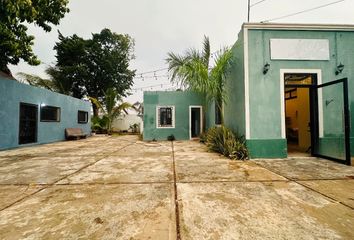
147 149
189 146
93 212
125 169
41 170
201 167
12 193
340 190
274 210
307 169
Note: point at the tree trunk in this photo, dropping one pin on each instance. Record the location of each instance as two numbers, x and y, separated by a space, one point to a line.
95 110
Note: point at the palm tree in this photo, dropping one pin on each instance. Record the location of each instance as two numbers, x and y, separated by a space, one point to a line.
110 106
51 84
192 71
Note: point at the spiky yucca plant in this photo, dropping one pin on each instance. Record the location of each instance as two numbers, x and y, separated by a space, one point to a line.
224 141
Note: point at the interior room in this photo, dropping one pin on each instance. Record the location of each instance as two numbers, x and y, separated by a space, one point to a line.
297 114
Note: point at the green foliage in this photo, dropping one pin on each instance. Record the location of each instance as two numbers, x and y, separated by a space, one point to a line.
15 44
110 106
171 137
99 124
192 71
91 66
134 127
224 141
203 137
50 84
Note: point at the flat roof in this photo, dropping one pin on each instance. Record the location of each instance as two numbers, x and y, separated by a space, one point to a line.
299 26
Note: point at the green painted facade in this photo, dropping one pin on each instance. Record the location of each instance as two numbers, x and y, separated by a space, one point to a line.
181 101
254 106
234 108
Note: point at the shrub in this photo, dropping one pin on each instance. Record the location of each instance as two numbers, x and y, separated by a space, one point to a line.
224 141
99 125
203 137
171 138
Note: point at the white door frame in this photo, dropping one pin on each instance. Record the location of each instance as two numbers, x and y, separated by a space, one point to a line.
282 99
190 119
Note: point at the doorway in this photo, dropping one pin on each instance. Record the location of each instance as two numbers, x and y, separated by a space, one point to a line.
298 121
28 123
315 116
195 121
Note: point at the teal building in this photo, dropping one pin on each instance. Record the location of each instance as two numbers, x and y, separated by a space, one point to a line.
289 90
31 115
177 113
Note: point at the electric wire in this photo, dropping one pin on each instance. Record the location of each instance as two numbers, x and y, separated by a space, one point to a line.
304 11
256 3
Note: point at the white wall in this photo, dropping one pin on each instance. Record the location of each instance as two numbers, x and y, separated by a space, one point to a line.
124 122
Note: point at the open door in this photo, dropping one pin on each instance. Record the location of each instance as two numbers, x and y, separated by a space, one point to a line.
331 138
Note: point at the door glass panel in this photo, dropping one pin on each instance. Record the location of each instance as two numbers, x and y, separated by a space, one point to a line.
331 129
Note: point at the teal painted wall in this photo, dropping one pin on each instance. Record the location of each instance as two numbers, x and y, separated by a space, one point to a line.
265 138
13 92
181 101
234 108
210 114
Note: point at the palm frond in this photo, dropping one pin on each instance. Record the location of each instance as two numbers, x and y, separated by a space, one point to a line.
37 81
206 51
97 103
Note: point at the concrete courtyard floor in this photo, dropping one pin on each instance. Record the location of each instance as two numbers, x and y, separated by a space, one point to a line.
123 188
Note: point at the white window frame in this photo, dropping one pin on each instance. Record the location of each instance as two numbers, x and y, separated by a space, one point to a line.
173 117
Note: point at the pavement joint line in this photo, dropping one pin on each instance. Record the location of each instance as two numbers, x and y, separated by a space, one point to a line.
234 181
309 188
169 182
178 232
84 184
53 184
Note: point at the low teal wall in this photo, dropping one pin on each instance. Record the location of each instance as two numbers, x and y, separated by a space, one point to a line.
270 148
12 93
181 101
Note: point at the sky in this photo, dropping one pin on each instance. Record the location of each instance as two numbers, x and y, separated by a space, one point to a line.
162 26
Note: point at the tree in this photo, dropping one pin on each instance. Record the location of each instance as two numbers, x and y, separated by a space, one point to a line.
15 43
192 71
94 65
111 108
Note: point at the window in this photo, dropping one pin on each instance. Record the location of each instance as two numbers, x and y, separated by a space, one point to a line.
165 117
82 117
50 114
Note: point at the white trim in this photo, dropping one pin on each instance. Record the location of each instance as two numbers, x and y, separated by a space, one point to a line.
173 116
282 101
247 95
190 119
289 26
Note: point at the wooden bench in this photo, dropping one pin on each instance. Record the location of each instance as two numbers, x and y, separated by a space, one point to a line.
74 133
